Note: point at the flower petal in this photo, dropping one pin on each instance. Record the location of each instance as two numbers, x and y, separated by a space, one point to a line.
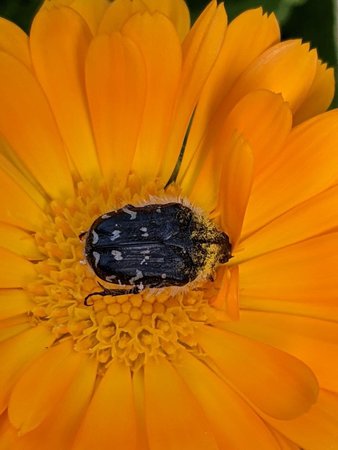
91 12
317 429
176 10
157 40
265 138
181 423
229 178
19 242
315 342
8 330
236 54
250 366
218 402
37 143
284 443
117 14
15 271
320 95
17 207
14 41
17 353
302 272
59 60
288 68
97 429
60 427
13 302
8 436
121 10
311 146
200 51
30 402
235 188
116 83
227 299
311 218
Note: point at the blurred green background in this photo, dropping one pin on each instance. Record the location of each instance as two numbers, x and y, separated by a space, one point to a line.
311 20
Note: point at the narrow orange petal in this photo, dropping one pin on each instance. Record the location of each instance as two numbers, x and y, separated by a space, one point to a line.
138 390
10 330
200 50
235 187
19 242
14 41
317 429
13 302
8 436
279 188
283 442
223 181
173 417
38 144
251 366
97 429
261 31
30 402
91 12
15 271
265 137
303 272
226 411
288 68
116 84
11 164
227 299
320 95
315 342
121 10
318 309
17 353
60 427
176 11
158 42
59 60
117 14
313 217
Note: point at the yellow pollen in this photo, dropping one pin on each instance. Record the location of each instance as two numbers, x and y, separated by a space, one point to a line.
130 328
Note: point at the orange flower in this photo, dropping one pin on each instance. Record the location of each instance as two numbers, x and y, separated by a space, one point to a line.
109 104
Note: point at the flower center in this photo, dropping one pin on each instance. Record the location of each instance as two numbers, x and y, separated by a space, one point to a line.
132 328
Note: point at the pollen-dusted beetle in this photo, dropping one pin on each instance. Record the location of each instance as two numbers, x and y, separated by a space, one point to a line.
154 245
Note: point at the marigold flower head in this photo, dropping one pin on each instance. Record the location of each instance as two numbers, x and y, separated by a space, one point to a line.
105 105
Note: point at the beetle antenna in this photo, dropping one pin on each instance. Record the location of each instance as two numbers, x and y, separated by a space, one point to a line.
112 292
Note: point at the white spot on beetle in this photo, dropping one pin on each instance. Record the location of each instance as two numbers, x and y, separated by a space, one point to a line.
144 229
97 257
140 286
111 278
164 276
106 216
115 235
117 255
132 214
95 237
158 210
144 260
138 276
145 252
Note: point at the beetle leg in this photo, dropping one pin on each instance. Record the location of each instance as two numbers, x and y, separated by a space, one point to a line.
112 292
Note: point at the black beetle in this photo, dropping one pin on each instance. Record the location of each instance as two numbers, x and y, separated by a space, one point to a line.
154 245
